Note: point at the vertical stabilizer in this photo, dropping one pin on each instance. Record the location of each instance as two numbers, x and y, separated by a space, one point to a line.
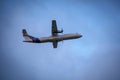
24 32
25 35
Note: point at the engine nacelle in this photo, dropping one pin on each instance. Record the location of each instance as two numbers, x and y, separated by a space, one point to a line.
60 31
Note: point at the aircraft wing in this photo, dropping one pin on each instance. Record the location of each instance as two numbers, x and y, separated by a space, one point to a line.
54 28
54 32
55 44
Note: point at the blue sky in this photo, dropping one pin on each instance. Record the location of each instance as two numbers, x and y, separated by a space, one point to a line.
95 56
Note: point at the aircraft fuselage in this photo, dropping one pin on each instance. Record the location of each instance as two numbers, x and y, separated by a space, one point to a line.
55 38
60 37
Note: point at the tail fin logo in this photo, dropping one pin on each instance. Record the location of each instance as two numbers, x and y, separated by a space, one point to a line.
24 32
29 38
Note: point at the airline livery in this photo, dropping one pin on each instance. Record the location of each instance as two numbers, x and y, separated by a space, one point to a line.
54 38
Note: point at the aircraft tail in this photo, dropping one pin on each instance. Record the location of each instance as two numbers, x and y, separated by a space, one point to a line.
24 32
26 36
29 38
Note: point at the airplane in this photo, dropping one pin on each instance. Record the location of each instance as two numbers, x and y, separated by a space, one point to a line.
54 38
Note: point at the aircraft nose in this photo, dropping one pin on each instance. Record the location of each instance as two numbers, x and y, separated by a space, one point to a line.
79 35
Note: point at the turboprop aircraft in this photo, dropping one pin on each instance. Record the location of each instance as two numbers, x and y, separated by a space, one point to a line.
54 38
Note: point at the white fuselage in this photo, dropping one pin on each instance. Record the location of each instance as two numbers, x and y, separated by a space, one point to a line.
60 37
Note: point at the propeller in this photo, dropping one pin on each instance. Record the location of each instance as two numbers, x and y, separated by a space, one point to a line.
62 41
61 30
